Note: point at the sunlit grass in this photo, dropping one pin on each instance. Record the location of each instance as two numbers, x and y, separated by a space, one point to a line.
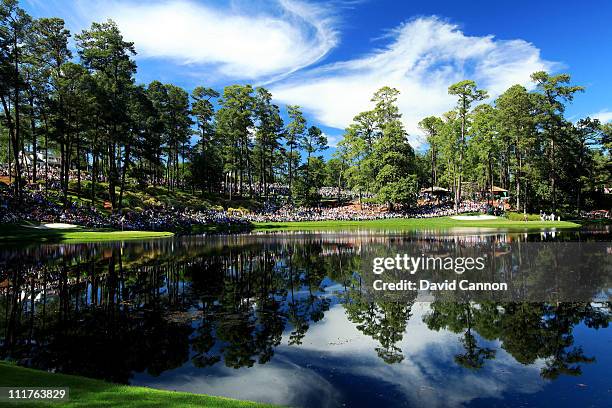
86 392
415 224
23 233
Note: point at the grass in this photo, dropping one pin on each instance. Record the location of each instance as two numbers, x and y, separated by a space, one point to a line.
86 392
414 224
20 233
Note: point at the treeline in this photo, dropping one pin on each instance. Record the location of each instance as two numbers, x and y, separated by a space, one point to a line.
89 109
521 142
112 132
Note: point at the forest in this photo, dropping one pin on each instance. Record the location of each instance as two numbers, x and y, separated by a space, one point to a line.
77 98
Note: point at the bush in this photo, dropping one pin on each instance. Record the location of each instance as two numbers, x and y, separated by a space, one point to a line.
238 211
151 202
516 216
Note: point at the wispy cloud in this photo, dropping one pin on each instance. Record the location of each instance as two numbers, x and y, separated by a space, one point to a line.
238 40
604 116
424 57
332 140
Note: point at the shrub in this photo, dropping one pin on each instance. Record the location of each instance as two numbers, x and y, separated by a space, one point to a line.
151 202
238 211
516 216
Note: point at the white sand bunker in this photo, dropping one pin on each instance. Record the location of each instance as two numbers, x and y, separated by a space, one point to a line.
58 225
473 217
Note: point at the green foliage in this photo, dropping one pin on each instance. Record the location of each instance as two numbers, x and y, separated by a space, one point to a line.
522 143
311 177
268 138
467 94
234 120
393 159
379 158
431 126
514 216
403 191
294 134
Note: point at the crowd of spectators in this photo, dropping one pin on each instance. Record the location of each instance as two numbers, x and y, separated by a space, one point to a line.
360 212
282 190
34 207
596 214
343 195
52 173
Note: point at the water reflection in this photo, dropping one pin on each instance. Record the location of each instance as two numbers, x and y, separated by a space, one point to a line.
283 318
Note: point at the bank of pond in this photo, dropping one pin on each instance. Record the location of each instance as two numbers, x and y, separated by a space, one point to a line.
87 392
33 233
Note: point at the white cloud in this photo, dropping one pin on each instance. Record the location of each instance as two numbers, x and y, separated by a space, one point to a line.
332 140
423 375
279 382
243 41
425 56
300 376
604 116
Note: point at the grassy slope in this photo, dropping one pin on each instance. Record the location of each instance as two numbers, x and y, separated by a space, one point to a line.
414 224
85 392
136 198
20 233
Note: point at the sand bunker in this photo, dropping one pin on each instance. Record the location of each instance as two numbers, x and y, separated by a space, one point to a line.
473 217
58 225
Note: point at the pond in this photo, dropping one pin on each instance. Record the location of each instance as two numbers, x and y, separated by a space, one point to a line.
283 318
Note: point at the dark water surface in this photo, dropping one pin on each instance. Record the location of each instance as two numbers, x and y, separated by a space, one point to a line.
281 318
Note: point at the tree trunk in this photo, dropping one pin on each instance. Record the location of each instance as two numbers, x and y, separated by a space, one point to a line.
17 128
126 161
553 175
111 175
13 127
46 159
462 147
433 171
78 164
290 168
33 126
94 174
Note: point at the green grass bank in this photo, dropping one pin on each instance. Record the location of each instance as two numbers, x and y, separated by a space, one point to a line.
86 392
24 233
414 224
10 233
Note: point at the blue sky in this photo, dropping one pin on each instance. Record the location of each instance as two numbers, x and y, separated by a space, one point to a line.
329 57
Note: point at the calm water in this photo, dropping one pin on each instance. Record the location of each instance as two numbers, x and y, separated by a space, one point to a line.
281 318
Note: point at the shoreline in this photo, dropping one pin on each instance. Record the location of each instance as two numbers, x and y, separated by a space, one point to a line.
439 223
91 392
20 233
15 233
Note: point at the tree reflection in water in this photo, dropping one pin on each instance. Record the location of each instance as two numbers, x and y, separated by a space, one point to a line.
528 331
111 310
